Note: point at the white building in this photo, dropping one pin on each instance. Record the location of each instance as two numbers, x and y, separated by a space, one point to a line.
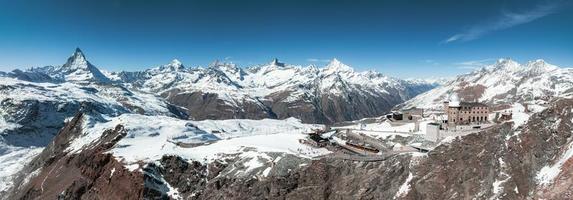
433 132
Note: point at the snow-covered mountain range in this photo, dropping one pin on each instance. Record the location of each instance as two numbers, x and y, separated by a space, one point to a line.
35 103
328 94
504 82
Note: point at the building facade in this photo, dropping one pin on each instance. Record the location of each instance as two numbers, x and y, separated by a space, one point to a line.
465 113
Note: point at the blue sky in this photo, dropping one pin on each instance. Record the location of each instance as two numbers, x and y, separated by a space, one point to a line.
419 39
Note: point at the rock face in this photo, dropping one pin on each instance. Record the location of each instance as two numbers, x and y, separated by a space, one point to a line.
500 162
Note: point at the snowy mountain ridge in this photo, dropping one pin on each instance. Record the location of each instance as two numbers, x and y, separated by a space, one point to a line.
270 77
261 87
504 82
227 91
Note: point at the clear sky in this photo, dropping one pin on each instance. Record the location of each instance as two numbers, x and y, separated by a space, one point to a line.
406 38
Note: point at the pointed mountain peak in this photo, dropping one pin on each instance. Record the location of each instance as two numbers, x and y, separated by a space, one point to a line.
175 62
174 65
276 62
336 65
78 55
78 68
77 60
335 61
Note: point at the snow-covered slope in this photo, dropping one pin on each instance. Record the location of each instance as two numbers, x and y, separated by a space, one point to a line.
149 138
504 82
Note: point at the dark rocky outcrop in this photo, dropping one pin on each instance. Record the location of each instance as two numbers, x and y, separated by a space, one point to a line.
202 106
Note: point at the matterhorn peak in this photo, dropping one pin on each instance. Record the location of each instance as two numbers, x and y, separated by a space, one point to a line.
336 66
77 68
77 60
78 51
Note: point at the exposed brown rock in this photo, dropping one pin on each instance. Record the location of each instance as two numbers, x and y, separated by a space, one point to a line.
317 108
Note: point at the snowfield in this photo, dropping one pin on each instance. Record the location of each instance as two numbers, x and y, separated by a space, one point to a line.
151 137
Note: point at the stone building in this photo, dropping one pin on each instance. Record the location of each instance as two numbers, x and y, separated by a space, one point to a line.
464 113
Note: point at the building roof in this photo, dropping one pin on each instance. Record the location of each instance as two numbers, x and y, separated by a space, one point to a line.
467 104
473 104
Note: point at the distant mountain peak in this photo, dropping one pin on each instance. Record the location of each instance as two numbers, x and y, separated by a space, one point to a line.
78 68
174 65
507 64
539 66
276 62
77 60
175 62
336 66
